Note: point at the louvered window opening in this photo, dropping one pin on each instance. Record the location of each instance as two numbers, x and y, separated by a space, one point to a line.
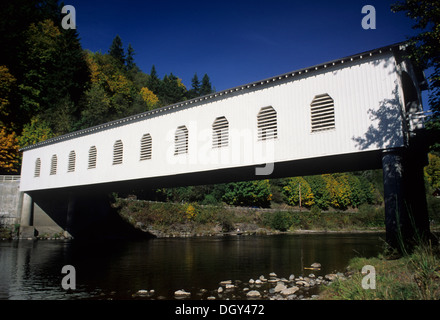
146 147
53 165
322 113
118 152
93 153
37 168
220 133
71 164
267 124
181 141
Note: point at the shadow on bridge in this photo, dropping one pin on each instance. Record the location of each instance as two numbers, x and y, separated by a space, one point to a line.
387 132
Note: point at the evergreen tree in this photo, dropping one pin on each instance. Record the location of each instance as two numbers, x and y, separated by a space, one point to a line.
206 87
172 90
117 51
153 82
195 87
129 62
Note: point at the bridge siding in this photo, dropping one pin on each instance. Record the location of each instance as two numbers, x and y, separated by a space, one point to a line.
356 87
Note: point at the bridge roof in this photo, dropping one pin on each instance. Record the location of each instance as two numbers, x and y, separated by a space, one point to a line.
215 96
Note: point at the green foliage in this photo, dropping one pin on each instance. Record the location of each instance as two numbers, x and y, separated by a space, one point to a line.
425 51
116 50
248 193
295 188
205 87
35 131
279 220
432 171
321 193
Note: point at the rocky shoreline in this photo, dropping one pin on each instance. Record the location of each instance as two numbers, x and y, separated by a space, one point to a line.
270 287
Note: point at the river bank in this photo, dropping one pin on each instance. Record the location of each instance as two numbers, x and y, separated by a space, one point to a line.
162 219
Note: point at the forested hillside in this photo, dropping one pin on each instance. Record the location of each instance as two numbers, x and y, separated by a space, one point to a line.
50 85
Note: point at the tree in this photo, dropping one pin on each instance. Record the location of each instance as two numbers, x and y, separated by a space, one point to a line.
9 155
172 90
116 50
195 87
432 171
425 51
129 61
35 131
248 193
7 87
206 87
298 188
149 98
319 190
154 82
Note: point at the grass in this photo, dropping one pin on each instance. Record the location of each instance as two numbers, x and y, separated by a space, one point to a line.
168 217
415 276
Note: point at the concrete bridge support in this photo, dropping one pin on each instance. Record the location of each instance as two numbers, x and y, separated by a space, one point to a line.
27 229
406 214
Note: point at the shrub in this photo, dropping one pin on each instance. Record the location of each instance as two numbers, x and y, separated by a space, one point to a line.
280 220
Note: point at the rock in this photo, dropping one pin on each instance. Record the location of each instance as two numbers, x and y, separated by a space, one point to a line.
262 278
211 298
230 286
258 281
224 283
316 265
280 287
292 277
220 289
251 281
272 274
253 294
312 275
182 294
331 277
142 292
289 291
303 283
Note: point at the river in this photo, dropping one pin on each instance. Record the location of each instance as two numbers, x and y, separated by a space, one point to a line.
118 269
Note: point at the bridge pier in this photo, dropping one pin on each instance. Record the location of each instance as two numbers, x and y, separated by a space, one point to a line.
406 214
27 229
70 215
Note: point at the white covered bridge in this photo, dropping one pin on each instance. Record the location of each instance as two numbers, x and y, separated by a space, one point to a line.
346 114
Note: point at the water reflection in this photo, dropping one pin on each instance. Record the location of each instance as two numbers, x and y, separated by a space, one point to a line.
117 269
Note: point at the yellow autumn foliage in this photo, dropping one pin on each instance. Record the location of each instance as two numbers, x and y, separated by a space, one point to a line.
190 212
149 97
9 154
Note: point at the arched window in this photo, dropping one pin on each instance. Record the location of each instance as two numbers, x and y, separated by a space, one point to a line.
181 140
322 113
118 149
53 165
37 167
220 133
146 147
93 153
267 123
71 164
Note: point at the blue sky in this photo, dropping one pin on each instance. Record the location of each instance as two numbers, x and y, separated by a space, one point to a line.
236 42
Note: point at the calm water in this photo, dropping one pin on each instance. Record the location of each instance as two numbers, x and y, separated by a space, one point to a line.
118 269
